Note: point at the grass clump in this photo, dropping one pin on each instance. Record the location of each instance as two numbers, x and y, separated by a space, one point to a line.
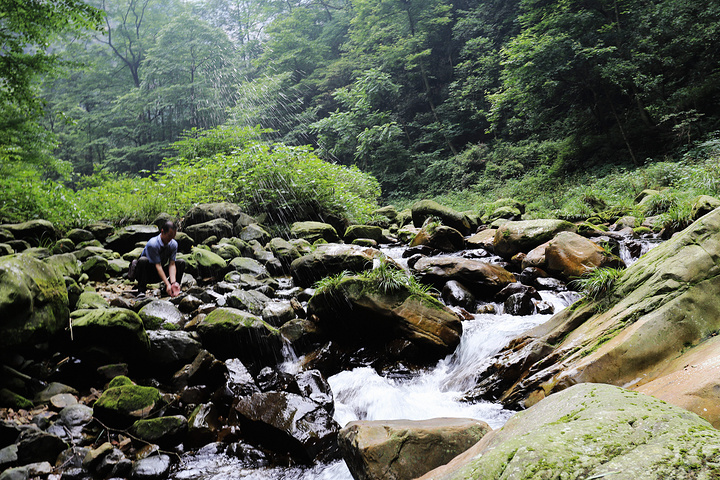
598 283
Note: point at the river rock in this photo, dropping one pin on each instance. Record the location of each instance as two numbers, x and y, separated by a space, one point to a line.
172 348
160 312
277 313
66 264
592 431
227 251
355 232
314 231
249 266
121 406
405 449
118 332
219 228
78 235
439 237
515 237
355 310
33 301
207 264
35 232
154 467
254 232
424 209
164 431
34 445
250 300
290 423
454 293
89 299
331 259
232 333
519 304
285 251
124 240
703 205
570 255
205 212
203 425
662 312
482 278
483 239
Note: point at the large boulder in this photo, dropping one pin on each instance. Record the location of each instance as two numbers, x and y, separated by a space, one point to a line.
483 239
66 264
314 231
158 313
125 239
593 431
439 237
482 278
357 310
117 333
219 228
355 232
425 209
331 259
661 315
254 232
172 348
35 232
515 237
121 406
212 211
206 263
232 333
288 422
405 449
570 255
33 301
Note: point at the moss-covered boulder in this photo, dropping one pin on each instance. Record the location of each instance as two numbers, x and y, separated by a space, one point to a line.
514 237
91 299
439 237
121 406
205 212
163 431
249 266
406 449
355 232
35 232
662 315
331 259
125 239
356 311
254 232
227 251
207 264
158 313
286 251
425 209
232 333
593 431
116 333
313 231
66 264
703 205
219 228
33 301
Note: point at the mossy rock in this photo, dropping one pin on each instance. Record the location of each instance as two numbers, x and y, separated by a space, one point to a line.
313 231
66 264
120 407
514 237
35 232
164 431
249 266
10 399
227 251
118 333
642 230
425 209
33 301
208 264
89 300
355 232
64 245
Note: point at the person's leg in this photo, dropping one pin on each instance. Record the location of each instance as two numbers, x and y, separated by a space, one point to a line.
179 269
145 273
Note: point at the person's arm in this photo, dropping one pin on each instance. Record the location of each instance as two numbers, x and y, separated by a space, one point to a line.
163 277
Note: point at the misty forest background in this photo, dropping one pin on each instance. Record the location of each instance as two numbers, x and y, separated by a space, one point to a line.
120 109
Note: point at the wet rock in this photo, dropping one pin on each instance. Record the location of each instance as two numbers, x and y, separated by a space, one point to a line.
66 264
171 349
311 384
549 283
160 312
78 235
62 400
163 431
454 293
355 232
515 237
33 301
203 426
254 232
239 381
272 379
218 227
302 334
482 278
189 303
227 251
124 240
288 422
210 211
54 388
33 470
570 255
205 369
313 231
120 406
116 332
331 259
8 456
592 430
406 449
207 264
72 420
285 251
114 464
250 300
85 253
249 266
425 209
519 304
96 268
153 467
544 308
34 232
100 230
278 313
483 239
37 446
514 288
94 457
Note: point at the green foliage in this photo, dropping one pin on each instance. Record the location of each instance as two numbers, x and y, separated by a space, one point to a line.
331 282
598 283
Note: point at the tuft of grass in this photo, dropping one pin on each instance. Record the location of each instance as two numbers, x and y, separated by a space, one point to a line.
330 283
678 217
598 283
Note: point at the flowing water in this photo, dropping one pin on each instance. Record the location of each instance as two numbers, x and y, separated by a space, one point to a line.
363 394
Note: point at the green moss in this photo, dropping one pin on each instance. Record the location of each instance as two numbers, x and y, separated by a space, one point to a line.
120 381
11 399
155 429
129 400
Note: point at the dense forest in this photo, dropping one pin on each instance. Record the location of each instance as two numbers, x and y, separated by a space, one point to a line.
399 99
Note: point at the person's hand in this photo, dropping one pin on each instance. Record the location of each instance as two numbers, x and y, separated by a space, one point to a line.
168 289
174 289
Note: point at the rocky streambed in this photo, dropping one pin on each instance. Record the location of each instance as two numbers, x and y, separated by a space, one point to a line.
275 344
